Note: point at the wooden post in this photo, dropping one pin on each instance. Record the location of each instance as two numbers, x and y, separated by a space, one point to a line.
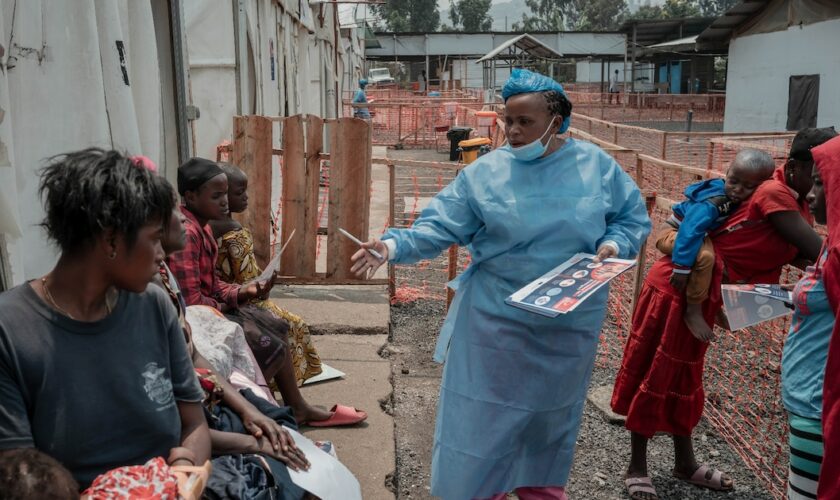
301 176
399 123
639 275
615 134
710 155
664 146
251 152
640 173
671 111
349 205
392 210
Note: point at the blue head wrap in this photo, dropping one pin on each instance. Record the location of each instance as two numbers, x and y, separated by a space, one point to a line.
522 81
363 83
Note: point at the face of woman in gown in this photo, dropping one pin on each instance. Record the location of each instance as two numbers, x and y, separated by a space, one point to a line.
527 118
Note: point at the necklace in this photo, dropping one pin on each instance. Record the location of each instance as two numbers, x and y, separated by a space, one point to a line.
61 309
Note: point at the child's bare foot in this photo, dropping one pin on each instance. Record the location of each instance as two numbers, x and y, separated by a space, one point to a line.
697 324
308 413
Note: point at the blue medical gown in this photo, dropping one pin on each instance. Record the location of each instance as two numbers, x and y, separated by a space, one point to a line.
514 382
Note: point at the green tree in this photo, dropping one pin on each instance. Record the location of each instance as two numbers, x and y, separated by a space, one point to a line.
671 9
556 15
601 15
715 7
680 8
409 15
546 15
471 15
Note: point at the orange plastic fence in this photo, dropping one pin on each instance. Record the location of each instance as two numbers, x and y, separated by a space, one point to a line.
742 376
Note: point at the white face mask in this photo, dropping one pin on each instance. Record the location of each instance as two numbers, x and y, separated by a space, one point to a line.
533 150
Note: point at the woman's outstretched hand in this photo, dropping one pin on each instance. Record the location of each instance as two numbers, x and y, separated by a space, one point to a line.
604 252
364 263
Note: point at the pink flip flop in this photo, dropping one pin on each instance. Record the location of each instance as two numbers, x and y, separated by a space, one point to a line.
341 415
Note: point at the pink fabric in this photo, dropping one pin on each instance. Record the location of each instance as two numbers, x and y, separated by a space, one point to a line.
144 162
539 493
241 381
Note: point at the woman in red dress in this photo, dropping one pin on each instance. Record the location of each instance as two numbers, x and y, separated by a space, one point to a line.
660 384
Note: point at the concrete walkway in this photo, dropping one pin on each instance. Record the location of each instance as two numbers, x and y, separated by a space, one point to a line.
350 326
367 450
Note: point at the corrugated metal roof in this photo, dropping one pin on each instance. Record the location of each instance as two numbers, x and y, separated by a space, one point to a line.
526 43
723 27
654 31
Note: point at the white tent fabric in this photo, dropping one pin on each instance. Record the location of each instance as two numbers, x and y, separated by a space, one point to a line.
66 83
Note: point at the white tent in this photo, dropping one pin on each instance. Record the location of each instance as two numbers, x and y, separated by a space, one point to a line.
75 74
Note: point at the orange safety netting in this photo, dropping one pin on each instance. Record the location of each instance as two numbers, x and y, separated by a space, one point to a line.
743 367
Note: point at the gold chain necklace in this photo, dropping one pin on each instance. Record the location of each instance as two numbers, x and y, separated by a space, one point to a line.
60 309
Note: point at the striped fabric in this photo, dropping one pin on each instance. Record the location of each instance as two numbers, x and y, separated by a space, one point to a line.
806 452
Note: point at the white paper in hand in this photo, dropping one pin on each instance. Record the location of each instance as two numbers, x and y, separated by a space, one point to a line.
274 264
327 478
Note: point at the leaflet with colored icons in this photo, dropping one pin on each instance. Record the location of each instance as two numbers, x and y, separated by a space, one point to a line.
748 305
564 288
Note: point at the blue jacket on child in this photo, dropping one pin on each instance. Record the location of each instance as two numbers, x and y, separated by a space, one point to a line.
706 207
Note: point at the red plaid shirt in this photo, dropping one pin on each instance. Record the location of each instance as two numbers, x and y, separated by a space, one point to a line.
195 268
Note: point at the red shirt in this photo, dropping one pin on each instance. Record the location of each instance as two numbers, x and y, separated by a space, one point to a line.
751 249
195 268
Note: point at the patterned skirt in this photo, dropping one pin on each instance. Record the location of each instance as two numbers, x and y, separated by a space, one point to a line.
305 359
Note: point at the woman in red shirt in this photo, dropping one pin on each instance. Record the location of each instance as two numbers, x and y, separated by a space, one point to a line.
660 384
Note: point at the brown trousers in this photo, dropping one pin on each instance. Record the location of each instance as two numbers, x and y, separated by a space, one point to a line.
700 279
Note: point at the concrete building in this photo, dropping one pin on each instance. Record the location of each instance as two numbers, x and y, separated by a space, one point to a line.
455 54
784 64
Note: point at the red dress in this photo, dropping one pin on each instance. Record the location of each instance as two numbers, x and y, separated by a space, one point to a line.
827 161
660 384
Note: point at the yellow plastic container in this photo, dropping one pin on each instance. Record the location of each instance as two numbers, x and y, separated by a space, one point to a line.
471 147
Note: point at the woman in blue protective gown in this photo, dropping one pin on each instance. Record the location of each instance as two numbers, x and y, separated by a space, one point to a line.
514 383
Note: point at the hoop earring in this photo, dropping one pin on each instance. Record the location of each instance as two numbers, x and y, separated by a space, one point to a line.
113 255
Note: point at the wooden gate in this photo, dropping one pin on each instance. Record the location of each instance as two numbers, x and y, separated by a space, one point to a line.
302 200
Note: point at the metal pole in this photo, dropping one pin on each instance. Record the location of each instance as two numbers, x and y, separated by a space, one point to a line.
688 120
240 39
633 67
180 64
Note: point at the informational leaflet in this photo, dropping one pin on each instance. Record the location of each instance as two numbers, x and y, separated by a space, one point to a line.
747 305
274 265
565 287
327 478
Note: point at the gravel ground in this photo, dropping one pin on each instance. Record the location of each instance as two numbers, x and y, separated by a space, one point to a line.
603 448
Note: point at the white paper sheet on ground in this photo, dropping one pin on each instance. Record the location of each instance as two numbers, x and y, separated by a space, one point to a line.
327 373
327 478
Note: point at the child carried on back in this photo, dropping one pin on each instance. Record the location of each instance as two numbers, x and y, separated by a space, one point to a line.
685 238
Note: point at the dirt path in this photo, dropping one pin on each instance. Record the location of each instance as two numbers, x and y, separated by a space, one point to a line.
602 450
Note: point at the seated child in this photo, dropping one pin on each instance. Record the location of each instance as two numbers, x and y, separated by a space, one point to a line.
238 265
685 238
249 426
203 187
29 473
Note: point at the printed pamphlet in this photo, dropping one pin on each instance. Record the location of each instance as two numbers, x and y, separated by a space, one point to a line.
748 305
564 288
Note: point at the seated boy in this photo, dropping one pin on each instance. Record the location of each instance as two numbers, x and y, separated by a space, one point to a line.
707 205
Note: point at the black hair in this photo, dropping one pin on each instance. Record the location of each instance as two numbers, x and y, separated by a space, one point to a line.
232 170
86 192
558 104
28 473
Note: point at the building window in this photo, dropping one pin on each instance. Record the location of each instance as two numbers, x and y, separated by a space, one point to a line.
803 101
